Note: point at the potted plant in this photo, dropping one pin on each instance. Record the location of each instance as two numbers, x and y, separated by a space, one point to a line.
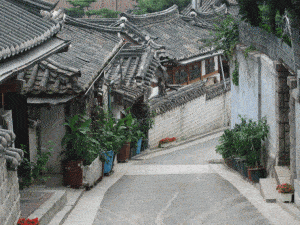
80 149
111 136
285 192
225 147
248 145
132 133
162 143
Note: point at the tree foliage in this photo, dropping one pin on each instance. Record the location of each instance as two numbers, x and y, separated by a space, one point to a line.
105 13
81 8
266 12
225 35
150 6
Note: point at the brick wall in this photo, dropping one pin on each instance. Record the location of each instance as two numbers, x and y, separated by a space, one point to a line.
195 117
9 195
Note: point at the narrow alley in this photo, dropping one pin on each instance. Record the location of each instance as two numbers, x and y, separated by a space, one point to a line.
180 186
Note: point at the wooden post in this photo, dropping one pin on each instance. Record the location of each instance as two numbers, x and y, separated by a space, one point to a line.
188 72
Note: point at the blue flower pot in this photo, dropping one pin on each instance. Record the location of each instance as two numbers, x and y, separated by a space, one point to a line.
139 145
109 161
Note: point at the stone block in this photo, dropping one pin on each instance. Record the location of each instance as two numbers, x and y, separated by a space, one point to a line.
268 189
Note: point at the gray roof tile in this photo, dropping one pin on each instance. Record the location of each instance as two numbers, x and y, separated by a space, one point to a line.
187 93
21 30
74 70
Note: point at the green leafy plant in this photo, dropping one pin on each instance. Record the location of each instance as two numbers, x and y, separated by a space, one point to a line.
248 140
35 170
104 12
235 74
78 140
244 141
250 48
150 6
108 132
225 35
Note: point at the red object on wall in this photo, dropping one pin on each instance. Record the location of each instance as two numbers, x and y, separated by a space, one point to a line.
73 173
124 153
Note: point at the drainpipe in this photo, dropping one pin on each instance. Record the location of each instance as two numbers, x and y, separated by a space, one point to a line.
259 88
222 71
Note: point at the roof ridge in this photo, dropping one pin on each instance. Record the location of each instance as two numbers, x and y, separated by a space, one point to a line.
40 4
81 23
150 18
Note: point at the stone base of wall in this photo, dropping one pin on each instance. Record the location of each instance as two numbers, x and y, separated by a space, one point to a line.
297 192
9 195
271 163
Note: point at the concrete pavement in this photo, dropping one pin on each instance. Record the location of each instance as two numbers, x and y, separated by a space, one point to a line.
160 163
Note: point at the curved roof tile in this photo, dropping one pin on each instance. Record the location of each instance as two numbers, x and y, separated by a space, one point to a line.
21 30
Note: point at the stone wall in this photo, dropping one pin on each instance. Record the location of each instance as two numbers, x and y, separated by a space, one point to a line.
9 195
263 92
294 122
198 116
52 129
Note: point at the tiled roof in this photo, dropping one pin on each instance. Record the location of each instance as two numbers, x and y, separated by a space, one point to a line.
137 65
34 6
21 30
88 53
174 99
123 5
167 28
46 79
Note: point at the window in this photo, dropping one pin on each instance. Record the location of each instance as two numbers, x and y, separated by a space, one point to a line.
177 77
183 76
195 72
170 79
209 65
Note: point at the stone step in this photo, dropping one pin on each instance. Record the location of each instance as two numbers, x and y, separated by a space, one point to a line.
283 174
51 207
73 196
268 189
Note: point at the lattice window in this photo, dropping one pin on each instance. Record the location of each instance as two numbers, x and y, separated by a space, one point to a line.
195 72
209 65
183 76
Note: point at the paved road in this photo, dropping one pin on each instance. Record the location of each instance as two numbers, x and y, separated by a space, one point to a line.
177 188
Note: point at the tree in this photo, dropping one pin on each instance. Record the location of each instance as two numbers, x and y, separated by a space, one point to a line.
150 6
79 7
264 12
106 13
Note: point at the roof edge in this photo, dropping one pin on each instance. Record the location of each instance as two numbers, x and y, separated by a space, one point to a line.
143 19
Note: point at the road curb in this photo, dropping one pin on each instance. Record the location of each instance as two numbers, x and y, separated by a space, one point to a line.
150 151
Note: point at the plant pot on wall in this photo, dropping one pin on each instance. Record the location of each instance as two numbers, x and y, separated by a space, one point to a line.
72 173
109 162
92 173
139 145
124 153
229 162
243 169
254 174
285 197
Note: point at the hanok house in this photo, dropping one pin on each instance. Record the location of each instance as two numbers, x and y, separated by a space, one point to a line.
26 38
131 74
185 57
62 85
